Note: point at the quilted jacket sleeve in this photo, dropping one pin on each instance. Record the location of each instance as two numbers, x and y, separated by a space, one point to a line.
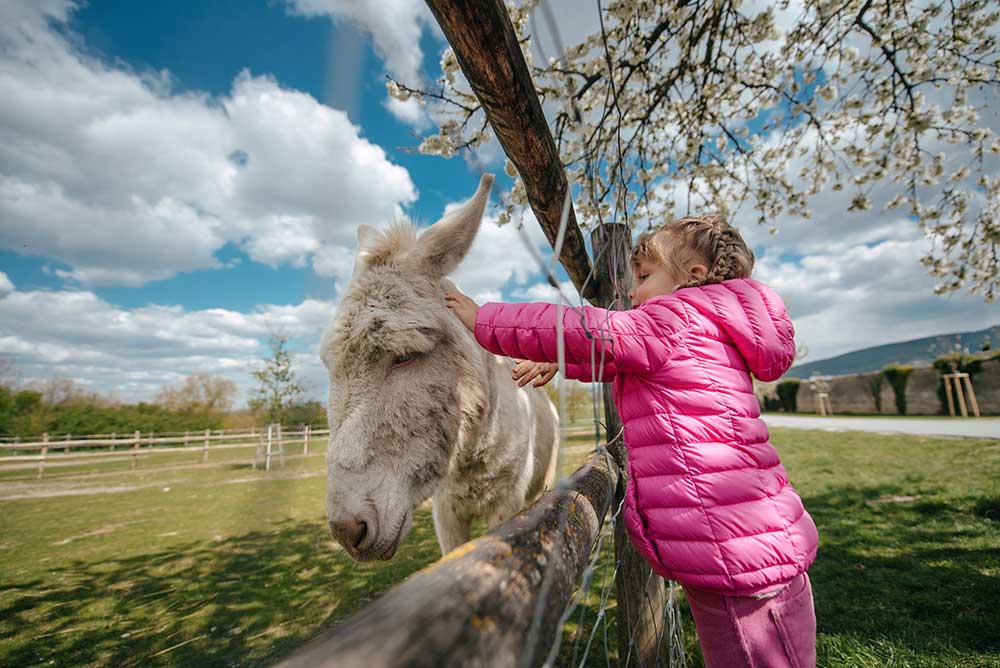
633 341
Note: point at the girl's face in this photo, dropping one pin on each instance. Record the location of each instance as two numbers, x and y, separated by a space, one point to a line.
650 280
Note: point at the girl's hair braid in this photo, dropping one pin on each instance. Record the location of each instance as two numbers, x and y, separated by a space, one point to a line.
709 239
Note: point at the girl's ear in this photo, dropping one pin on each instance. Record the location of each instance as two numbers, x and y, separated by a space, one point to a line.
699 271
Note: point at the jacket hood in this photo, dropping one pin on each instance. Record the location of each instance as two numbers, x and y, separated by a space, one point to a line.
754 317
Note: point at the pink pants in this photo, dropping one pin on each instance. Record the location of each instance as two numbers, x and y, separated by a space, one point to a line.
778 631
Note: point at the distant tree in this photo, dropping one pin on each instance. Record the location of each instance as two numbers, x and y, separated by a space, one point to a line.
788 391
874 387
8 374
198 393
897 375
278 388
957 362
61 391
311 413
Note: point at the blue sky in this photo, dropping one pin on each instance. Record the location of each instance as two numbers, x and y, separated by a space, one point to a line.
179 179
185 39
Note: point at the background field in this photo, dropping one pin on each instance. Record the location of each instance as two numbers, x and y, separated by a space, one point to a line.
219 565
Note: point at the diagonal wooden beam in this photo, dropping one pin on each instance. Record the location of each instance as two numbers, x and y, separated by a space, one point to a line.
487 50
477 605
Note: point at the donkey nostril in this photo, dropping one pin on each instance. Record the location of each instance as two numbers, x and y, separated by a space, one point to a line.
361 534
350 532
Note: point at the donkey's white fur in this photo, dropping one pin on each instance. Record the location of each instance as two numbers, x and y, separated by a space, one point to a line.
417 408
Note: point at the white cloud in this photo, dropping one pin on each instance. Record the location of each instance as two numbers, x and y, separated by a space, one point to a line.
5 284
396 27
133 352
410 112
109 172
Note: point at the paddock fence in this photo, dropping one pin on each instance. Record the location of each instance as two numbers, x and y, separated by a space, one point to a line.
499 600
154 450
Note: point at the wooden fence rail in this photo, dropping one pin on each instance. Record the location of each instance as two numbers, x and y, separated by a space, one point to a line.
104 442
94 450
495 601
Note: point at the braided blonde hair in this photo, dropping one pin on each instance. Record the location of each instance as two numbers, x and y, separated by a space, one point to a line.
709 240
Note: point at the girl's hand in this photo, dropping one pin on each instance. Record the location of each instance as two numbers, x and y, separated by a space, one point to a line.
526 370
463 307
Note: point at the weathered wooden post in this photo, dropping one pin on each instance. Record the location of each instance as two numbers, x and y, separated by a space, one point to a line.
204 456
135 449
45 450
957 377
305 442
640 594
281 447
260 450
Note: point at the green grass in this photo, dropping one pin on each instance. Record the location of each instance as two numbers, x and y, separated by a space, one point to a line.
224 566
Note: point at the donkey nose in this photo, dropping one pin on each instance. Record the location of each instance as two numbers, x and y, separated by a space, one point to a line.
350 532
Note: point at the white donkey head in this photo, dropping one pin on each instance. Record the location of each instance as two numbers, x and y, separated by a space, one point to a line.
401 379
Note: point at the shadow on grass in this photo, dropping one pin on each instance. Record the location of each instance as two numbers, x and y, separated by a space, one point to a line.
918 572
235 602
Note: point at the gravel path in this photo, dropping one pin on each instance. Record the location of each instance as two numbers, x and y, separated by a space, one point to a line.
970 427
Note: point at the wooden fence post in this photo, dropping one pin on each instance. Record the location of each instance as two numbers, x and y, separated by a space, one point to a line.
281 447
66 448
45 450
640 593
135 449
204 456
267 454
960 394
114 437
972 395
305 443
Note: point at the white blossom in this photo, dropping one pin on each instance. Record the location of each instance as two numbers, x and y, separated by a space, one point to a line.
879 117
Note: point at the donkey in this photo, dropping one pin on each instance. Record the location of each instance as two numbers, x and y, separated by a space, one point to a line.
417 408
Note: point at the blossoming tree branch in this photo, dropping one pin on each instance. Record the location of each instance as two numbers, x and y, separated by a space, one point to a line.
673 106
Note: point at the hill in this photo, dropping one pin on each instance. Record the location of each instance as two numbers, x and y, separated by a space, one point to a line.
917 351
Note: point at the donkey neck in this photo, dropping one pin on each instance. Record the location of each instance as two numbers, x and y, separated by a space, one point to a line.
479 408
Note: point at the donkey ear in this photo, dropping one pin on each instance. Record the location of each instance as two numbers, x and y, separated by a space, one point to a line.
441 248
366 234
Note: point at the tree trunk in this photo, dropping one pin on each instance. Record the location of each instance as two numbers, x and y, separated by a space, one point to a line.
486 47
640 594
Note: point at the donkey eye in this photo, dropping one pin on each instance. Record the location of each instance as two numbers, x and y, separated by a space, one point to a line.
403 359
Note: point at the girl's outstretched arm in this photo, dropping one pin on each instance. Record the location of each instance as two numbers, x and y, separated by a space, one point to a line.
629 341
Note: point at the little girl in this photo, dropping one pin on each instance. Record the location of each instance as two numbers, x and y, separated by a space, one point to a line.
708 502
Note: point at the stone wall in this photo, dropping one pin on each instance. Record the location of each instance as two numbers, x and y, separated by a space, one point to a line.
851 393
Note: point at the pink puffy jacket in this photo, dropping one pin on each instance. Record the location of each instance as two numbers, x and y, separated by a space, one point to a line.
708 502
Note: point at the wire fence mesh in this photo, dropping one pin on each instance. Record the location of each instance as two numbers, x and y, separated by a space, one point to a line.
613 256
